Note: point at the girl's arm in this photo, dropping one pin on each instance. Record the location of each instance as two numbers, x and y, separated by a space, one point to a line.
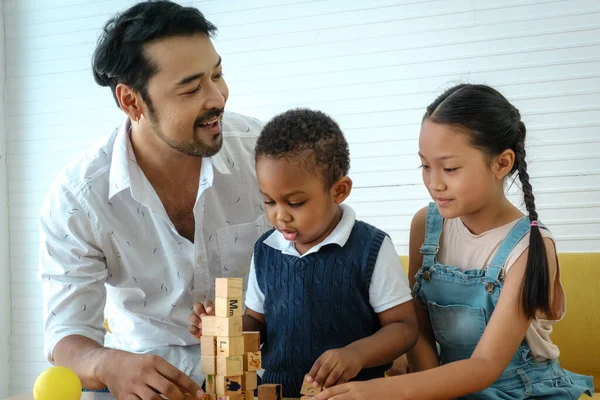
424 355
497 346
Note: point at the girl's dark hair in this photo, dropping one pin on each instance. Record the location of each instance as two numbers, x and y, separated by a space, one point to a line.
119 56
495 125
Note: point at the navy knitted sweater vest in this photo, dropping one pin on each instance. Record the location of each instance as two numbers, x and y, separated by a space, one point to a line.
316 303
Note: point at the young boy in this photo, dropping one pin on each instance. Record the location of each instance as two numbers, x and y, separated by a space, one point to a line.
327 292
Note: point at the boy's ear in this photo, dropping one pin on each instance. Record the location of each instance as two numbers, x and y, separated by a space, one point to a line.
341 189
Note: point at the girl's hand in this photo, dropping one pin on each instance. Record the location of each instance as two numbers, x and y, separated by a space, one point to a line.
335 367
374 389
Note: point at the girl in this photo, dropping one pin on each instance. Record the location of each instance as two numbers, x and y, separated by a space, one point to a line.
486 278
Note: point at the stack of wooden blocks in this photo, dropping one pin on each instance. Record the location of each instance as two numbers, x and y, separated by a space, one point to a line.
230 357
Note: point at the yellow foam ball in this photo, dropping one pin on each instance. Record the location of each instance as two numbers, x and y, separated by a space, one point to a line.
57 383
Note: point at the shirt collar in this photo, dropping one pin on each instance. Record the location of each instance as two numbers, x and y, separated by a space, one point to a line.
122 155
338 236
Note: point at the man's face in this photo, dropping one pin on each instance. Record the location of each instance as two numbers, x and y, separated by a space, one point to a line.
188 94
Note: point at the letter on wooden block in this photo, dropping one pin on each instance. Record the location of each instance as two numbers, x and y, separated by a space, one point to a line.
228 385
252 361
251 342
230 346
228 307
230 366
208 365
208 345
228 287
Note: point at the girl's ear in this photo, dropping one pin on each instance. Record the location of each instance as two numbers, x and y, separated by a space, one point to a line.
503 164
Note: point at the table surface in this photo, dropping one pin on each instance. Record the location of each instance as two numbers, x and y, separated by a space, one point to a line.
84 396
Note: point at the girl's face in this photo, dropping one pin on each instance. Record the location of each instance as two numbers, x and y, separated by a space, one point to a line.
457 175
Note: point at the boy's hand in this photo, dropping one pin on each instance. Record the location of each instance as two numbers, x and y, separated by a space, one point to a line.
200 310
400 367
335 367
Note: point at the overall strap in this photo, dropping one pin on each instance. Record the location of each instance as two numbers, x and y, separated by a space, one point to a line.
495 269
516 234
433 231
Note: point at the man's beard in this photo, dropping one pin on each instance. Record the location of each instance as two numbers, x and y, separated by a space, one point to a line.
196 147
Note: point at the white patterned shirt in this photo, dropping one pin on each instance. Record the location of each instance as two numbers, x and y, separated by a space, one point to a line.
106 240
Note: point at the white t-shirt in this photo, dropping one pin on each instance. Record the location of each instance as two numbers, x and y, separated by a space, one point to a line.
389 284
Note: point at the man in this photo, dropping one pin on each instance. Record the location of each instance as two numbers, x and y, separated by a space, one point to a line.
144 223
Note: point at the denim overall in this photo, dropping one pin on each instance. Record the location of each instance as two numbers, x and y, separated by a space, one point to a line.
460 304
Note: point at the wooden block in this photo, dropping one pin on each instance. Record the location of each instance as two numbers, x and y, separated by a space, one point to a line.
309 389
231 397
230 366
230 346
228 307
228 287
269 392
251 342
249 381
252 361
208 365
209 326
228 385
210 396
218 326
210 384
208 345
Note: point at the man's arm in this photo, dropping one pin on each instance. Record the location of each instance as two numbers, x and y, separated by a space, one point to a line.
72 272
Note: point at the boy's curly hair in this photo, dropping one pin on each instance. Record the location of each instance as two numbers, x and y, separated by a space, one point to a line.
310 136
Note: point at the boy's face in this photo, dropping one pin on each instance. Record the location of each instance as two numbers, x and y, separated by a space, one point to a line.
297 201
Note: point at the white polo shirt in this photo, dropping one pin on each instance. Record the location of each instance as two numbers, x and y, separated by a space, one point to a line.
389 284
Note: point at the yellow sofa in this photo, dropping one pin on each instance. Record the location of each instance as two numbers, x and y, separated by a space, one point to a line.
578 334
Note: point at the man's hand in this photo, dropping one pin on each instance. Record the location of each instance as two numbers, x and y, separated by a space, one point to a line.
142 377
200 310
335 367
